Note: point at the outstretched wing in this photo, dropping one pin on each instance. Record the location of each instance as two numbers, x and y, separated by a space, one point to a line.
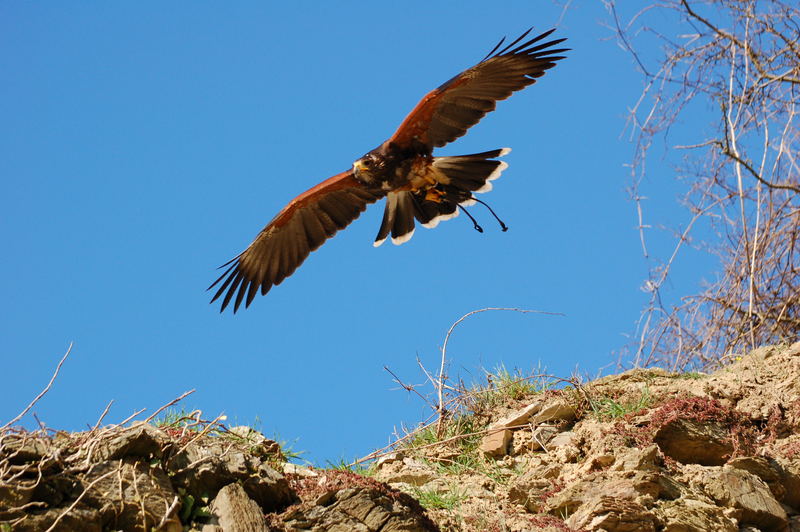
446 113
300 228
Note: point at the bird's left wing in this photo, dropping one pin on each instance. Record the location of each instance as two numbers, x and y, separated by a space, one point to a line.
447 112
300 228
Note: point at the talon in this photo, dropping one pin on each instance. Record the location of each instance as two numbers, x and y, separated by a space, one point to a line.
434 195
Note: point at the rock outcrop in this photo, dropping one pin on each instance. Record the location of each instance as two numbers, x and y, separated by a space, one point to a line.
645 450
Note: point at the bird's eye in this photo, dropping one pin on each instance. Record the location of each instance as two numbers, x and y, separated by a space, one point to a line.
367 163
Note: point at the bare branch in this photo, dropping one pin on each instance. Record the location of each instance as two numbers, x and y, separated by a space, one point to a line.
43 392
740 62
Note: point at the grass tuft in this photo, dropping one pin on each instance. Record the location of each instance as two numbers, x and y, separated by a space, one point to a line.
448 500
608 408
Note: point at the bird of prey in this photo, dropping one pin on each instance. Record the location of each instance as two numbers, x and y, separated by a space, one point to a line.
416 184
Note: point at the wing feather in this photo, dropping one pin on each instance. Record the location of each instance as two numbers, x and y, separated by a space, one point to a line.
300 228
446 113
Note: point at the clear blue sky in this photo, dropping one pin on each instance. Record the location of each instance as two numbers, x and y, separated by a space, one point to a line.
144 144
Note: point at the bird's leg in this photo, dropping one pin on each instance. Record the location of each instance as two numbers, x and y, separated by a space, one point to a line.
503 226
477 227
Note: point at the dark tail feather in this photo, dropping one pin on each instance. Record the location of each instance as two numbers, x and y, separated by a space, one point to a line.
471 173
398 218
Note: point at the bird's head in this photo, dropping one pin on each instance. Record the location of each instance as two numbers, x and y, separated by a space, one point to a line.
367 168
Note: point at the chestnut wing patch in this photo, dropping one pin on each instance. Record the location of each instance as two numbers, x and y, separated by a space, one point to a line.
300 228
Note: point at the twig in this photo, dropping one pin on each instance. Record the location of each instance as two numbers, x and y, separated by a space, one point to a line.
76 501
100 419
130 417
176 400
407 387
169 511
46 389
200 434
440 382
541 443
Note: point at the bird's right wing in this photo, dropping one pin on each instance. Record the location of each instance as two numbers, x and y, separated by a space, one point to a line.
300 228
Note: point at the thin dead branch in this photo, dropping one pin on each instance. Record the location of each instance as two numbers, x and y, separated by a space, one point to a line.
736 64
43 392
440 382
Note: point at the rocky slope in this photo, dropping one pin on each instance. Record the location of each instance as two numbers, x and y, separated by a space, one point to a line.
644 450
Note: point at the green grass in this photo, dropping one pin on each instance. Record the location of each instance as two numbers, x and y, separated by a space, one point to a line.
444 500
473 462
462 463
193 510
514 385
503 386
608 408
460 425
180 419
341 464
288 448
175 418
691 375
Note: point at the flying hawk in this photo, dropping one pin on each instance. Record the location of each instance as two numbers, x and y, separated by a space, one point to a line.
416 184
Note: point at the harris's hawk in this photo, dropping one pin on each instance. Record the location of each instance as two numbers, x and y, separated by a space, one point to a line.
416 184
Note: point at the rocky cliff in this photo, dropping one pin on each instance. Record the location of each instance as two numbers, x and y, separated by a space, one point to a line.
644 450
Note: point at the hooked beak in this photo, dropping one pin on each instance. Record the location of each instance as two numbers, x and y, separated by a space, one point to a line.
359 165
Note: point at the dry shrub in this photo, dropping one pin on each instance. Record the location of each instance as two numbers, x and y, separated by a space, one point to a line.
738 63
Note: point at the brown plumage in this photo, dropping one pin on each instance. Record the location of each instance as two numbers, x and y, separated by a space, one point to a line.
416 184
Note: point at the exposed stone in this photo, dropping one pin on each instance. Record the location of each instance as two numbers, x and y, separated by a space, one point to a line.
561 439
749 495
119 495
693 442
632 459
690 515
76 520
139 440
530 490
408 471
602 474
743 382
496 443
790 480
541 436
259 445
131 495
248 434
21 448
236 512
388 458
519 416
521 443
619 485
55 490
613 514
294 469
14 497
763 469
597 462
557 409
207 468
357 510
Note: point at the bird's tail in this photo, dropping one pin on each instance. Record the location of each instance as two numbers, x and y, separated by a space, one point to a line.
457 178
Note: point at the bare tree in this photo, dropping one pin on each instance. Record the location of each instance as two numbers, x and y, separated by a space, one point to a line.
738 61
